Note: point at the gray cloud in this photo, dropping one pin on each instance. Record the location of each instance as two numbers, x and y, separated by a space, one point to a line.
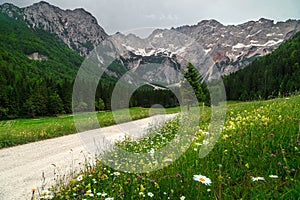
124 15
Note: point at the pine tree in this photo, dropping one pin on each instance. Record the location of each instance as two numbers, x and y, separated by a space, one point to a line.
192 80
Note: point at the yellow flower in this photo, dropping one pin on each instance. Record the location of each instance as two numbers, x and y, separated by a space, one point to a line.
247 165
142 188
225 137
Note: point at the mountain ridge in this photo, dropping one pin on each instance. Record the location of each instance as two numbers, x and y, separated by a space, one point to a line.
230 47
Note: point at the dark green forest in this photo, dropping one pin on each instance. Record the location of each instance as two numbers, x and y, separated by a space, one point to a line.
274 75
30 87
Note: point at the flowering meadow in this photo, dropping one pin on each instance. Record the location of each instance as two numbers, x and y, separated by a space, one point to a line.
257 156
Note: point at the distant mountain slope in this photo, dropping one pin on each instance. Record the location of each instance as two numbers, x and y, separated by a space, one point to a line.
270 76
76 28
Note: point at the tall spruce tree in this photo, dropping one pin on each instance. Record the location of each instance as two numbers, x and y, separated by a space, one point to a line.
192 80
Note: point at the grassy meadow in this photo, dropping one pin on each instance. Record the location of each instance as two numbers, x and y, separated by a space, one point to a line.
22 131
256 157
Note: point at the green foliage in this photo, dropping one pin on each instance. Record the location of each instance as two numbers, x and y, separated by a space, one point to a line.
100 105
273 75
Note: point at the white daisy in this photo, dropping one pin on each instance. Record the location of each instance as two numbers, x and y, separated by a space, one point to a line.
150 194
273 176
79 178
168 160
142 194
202 179
117 173
257 179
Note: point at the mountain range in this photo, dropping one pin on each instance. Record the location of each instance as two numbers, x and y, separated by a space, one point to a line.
226 48
42 48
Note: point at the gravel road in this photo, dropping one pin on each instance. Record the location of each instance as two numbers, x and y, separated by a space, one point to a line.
22 167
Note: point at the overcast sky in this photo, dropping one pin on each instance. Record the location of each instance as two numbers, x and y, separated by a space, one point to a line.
126 15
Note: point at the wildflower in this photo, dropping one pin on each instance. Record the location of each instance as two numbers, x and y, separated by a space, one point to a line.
205 142
258 179
142 194
46 194
168 160
273 176
224 137
208 190
142 188
79 178
279 164
117 173
178 175
104 194
202 179
206 133
110 198
153 181
150 194
293 170
151 152
182 198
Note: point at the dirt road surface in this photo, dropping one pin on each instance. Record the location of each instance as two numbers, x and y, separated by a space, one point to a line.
22 167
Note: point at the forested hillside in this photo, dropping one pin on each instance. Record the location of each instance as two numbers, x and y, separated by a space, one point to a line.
273 75
34 86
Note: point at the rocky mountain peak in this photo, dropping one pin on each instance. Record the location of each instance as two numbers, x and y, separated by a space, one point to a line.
78 29
11 10
210 22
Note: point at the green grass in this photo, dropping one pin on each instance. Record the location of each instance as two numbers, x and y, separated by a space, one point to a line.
22 131
258 139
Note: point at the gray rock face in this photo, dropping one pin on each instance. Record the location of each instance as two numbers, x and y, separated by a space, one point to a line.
215 49
78 29
234 47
